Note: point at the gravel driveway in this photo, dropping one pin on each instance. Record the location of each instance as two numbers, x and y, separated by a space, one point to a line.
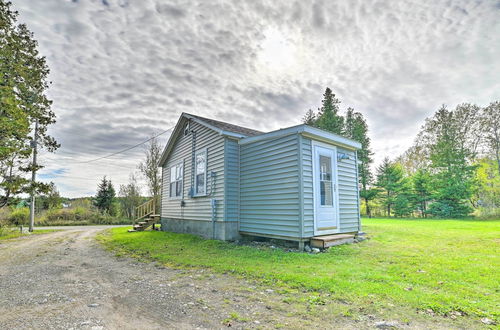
65 280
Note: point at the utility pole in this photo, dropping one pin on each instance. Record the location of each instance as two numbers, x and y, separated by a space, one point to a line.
33 177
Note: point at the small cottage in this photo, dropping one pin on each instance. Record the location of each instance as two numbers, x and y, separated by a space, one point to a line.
223 181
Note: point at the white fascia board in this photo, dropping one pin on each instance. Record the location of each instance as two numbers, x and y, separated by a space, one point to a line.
320 134
308 131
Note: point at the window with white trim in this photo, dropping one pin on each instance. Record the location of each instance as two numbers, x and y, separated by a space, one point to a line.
176 180
200 173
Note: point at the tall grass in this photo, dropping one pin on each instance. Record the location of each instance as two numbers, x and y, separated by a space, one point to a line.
60 217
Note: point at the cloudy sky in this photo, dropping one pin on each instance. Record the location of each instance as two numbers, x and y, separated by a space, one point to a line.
122 70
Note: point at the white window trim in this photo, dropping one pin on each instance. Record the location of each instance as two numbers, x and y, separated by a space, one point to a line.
181 162
201 151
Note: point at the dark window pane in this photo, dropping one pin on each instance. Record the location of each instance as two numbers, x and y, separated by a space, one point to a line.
200 184
178 190
172 189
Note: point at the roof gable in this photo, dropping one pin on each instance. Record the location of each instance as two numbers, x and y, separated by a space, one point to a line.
220 127
226 127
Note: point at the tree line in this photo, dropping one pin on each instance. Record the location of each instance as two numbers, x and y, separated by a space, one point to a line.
24 105
129 196
451 170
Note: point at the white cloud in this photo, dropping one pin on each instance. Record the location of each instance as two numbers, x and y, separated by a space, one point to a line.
122 70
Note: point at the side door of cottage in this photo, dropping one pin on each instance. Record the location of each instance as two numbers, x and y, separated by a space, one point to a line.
326 207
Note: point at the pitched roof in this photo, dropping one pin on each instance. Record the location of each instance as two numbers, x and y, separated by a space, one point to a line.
220 127
227 127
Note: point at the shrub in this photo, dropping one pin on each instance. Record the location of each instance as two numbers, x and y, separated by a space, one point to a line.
487 213
74 214
77 216
4 215
19 216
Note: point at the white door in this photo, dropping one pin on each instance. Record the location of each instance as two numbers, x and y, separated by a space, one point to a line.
325 189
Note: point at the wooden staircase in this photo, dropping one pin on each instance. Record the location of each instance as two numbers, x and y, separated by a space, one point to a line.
326 241
145 216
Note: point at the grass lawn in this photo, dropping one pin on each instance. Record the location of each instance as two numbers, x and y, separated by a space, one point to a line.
14 233
443 267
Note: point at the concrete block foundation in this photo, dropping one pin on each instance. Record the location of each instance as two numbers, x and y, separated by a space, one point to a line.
224 230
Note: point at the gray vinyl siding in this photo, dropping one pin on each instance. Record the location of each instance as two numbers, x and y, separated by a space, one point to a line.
196 208
232 170
269 187
347 185
348 193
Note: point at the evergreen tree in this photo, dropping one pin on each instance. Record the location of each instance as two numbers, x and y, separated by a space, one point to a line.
404 200
356 128
390 180
421 182
309 118
105 196
328 117
452 140
23 101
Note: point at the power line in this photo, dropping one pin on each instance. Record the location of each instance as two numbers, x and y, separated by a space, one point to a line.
126 149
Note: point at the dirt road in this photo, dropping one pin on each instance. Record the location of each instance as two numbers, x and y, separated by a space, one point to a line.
65 280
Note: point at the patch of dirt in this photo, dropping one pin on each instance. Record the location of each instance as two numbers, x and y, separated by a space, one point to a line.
65 280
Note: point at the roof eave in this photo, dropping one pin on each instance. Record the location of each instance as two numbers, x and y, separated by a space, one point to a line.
322 135
308 131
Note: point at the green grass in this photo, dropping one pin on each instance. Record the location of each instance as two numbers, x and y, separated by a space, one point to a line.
437 266
14 233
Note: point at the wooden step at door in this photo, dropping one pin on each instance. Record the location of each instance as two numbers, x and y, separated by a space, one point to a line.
327 241
146 216
151 220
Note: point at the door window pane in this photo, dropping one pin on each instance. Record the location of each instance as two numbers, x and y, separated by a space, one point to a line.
325 180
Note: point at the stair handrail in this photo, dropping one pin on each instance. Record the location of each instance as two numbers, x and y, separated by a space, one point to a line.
145 209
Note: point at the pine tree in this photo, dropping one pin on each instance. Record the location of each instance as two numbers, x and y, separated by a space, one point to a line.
390 179
328 117
105 196
356 128
421 182
404 198
309 118
452 141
